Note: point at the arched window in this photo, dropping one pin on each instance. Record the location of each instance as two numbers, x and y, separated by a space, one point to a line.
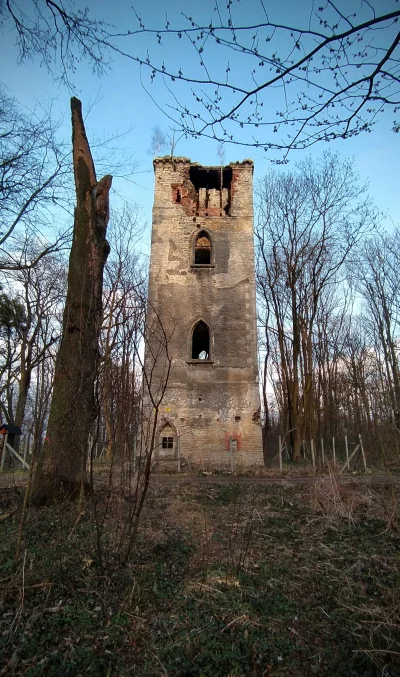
202 249
201 342
167 441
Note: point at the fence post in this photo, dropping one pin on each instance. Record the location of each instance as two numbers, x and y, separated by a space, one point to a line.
362 453
280 455
322 452
26 446
353 453
3 455
178 450
347 449
312 454
333 452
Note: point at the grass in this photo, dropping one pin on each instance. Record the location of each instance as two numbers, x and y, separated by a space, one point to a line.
227 580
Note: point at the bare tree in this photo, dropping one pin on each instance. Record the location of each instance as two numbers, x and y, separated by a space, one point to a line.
308 223
59 33
158 141
124 291
63 464
375 274
34 169
39 292
12 321
156 369
161 140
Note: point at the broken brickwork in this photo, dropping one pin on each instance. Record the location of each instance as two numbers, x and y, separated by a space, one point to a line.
202 289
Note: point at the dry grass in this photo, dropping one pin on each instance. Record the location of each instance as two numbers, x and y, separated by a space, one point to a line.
226 579
337 500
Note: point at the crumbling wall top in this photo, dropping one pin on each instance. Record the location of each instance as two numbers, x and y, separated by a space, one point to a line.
168 159
171 159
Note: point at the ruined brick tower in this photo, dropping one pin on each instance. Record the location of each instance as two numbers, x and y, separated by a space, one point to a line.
202 291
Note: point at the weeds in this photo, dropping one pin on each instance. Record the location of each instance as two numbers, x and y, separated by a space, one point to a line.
230 580
336 500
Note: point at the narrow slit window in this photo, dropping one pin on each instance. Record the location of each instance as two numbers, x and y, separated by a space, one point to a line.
202 249
201 342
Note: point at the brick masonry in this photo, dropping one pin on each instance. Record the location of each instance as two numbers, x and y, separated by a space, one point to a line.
207 403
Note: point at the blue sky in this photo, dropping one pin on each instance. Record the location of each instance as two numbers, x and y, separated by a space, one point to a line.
117 102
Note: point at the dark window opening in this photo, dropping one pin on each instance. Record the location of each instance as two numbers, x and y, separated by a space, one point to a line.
210 177
178 195
167 442
201 342
213 188
237 419
202 249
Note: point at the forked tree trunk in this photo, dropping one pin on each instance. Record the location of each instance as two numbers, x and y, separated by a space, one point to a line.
62 468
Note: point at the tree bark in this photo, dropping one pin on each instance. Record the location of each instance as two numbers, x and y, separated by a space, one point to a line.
62 468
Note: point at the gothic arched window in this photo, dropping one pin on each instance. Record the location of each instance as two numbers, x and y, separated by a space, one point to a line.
202 249
201 342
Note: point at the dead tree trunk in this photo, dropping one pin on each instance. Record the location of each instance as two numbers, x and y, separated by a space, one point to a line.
62 468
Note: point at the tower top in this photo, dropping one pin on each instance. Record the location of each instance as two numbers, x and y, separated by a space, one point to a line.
168 159
213 191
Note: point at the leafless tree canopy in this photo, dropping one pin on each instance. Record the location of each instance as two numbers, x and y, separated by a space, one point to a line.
328 289
266 84
274 85
58 32
34 179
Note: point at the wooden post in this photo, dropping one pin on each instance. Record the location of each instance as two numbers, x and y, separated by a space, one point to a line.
280 455
3 456
26 447
312 454
322 452
353 453
363 453
333 452
347 449
178 452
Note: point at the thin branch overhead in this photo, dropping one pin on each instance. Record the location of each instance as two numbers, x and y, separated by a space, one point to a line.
238 76
273 85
